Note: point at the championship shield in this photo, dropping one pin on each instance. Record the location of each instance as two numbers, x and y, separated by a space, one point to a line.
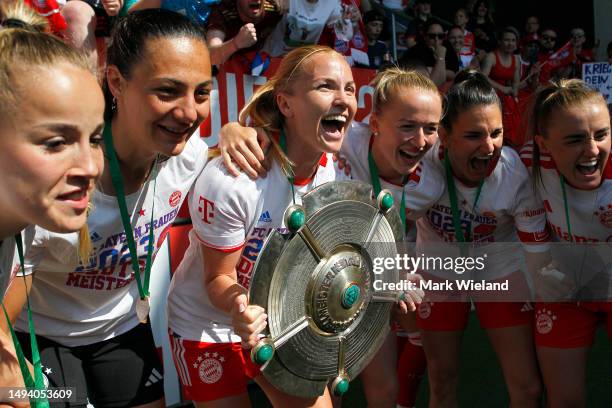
326 321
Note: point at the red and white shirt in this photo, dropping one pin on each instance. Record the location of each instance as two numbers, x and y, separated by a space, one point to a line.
230 214
506 211
418 195
75 304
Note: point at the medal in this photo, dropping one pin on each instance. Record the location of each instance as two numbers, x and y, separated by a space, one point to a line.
142 309
142 305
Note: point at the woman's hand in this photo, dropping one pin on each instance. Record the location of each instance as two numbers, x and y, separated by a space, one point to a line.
552 285
248 321
410 299
244 146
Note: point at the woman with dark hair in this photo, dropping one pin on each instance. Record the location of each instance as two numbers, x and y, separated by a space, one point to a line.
91 317
51 155
569 159
503 68
487 199
482 25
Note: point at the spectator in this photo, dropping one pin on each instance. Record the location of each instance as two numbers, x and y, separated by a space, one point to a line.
240 26
532 26
468 51
432 53
580 53
89 19
377 50
303 24
421 15
548 41
454 60
503 69
197 11
482 25
355 48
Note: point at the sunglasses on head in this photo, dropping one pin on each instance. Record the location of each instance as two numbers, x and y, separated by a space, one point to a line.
433 36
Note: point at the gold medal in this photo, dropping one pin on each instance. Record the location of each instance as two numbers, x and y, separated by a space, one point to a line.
142 309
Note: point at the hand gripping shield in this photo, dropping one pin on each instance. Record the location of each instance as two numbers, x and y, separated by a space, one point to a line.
325 320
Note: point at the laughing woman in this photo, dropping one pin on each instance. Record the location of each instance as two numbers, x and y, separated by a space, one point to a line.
51 150
572 172
91 318
487 200
306 108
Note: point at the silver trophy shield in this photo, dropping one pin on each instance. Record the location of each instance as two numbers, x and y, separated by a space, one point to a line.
325 321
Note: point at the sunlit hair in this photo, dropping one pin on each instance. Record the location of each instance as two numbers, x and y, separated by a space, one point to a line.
564 94
393 80
262 111
17 15
23 46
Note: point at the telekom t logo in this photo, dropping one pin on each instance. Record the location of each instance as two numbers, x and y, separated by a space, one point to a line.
206 208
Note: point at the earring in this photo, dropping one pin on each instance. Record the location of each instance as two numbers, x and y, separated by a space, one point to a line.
114 104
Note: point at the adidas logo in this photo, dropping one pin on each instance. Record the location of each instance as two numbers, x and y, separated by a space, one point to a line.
265 217
95 237
153 378
527 307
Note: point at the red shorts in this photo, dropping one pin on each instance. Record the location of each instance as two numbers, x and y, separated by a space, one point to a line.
570 325
211 371
451 309
453 316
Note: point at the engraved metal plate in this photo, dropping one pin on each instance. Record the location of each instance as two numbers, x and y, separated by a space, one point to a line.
325 321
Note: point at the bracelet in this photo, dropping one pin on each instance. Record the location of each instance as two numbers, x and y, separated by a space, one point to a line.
441 58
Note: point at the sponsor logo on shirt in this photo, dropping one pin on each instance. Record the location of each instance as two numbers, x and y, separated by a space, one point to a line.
265 217
207 209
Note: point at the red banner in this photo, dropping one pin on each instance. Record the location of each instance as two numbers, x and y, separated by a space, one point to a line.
233 86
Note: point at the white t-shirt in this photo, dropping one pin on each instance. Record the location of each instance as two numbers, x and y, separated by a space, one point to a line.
418 196
590 213
302 25
77 305
507 211
230 214
9 258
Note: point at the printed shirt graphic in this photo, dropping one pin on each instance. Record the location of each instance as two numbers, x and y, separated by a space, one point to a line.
507 211
230 214
590 210
76 305
302 25
10 267
421 191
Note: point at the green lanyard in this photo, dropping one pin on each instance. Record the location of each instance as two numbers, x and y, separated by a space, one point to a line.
283 145
377 187
566 207
143 287
37 383
452 194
